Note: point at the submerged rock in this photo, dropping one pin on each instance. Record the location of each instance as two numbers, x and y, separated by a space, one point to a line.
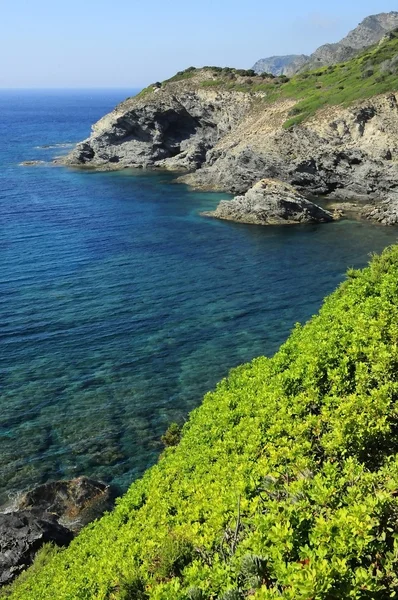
32 163
271 202
22 534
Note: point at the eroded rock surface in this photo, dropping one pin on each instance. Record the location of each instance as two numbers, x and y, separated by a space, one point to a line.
74 502
53 512
271 202
22 534
228 140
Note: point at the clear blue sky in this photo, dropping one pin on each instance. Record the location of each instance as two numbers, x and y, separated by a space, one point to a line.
131 43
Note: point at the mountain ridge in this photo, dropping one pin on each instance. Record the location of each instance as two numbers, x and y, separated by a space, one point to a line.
369 31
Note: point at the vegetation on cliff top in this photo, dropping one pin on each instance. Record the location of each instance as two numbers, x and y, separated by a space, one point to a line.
284 483
372 72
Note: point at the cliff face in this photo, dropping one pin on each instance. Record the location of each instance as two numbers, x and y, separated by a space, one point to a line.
172 126
350 152
228 131
370 31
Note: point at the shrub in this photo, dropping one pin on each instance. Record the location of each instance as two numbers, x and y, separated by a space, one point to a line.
172 436
367 73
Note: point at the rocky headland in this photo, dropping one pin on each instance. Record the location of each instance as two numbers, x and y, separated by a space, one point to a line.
331 133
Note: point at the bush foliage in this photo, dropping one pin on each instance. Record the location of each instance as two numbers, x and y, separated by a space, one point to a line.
284 484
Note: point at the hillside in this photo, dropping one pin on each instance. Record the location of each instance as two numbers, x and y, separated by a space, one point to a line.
368 32
284 484
332 132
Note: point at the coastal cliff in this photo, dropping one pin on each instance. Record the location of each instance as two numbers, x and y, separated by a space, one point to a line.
332 132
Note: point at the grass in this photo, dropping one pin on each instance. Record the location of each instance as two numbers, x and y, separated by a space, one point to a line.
373 72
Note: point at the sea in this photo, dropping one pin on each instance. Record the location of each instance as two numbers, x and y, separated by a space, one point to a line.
121 306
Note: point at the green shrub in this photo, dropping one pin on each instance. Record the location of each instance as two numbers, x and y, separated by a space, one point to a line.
172 435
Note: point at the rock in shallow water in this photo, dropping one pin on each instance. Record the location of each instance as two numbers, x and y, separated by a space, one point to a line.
53 512
74 502
271 202
22 534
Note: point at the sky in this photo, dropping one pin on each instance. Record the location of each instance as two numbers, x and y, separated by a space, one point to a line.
131 43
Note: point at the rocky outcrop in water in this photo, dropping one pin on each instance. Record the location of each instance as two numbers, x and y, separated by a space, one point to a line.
22 534
271 202
53 512
74 502
172 126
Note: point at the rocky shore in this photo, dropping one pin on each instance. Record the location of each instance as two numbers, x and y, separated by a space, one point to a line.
53 512
331 132
227 140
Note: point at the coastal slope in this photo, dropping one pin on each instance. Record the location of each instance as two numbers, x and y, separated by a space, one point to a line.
331 132
284 484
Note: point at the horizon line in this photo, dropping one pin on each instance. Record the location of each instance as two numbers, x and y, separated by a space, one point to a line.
126 87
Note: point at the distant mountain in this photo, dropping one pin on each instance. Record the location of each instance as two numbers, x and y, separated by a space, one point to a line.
281 65
370 31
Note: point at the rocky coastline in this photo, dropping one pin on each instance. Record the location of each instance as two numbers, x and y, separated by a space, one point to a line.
53 512
225 140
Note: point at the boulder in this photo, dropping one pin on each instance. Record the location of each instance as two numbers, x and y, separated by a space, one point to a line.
53 512
271 202
22 534
74 502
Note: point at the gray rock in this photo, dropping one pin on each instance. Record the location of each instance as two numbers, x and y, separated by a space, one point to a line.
271 202
32 163
22 534
227 140
53 512
173 127
384 212
370 31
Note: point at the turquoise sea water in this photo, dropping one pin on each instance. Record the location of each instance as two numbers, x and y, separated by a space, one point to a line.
120 306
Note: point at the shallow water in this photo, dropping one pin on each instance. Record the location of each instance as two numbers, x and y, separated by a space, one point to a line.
120 306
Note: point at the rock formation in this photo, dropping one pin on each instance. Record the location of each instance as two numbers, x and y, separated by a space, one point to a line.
219 132
53 512
22 534
74 502
271 202
281 65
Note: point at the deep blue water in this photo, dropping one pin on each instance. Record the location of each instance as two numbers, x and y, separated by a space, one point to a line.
120 306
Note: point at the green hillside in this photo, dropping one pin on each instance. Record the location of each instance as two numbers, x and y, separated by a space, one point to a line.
285 482
373 72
